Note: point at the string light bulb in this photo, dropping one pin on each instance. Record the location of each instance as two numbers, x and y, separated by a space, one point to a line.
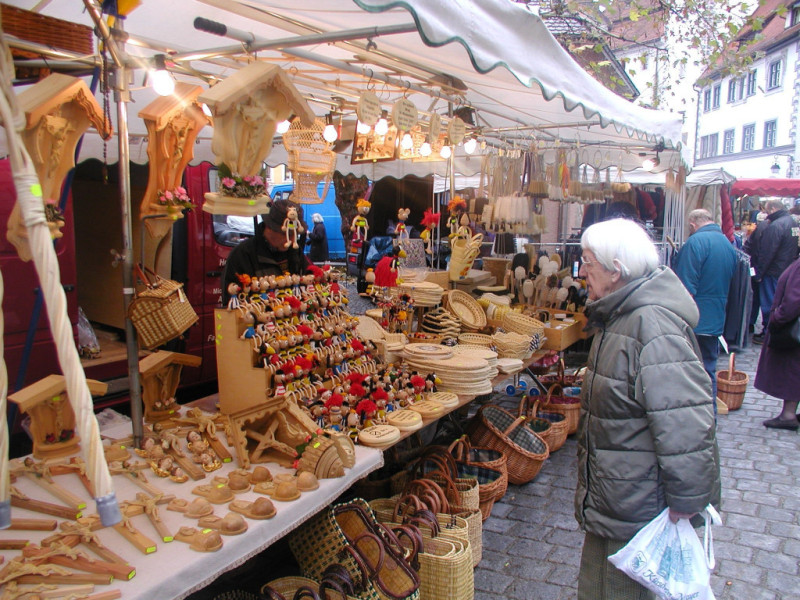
283 126
470 145
363 128
206 111
330 134
382 126
445 152
162 80
407 143
425 149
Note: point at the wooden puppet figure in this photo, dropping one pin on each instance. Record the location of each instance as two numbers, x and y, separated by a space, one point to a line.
359 225
400 230
430 220
292 227
457 208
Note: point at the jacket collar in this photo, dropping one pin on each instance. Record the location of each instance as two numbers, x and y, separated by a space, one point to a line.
777 214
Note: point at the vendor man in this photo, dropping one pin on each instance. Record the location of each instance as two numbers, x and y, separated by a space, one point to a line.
266 253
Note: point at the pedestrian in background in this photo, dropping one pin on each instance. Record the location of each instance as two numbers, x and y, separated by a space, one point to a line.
318 240
751 249
776 250
778 372
705 266
646 437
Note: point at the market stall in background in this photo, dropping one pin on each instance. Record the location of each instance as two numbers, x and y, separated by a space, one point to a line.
457 165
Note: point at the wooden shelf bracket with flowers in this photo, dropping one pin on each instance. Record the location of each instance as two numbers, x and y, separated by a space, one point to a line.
58 110
247 107
173 123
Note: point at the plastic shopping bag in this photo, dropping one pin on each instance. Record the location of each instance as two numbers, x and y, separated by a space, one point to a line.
669 559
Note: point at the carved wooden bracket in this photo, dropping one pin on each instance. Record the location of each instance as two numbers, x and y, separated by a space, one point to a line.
173 123
58 110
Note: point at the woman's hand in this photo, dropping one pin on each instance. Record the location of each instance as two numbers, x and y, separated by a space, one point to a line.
674 515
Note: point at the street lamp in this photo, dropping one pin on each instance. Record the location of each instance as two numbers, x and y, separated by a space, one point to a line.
775 169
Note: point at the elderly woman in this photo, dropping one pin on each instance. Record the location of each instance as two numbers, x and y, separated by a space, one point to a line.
646 439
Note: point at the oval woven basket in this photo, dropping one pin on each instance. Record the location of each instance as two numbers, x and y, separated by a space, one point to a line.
732 384
519 323
555 430
498 429
569 406
478 339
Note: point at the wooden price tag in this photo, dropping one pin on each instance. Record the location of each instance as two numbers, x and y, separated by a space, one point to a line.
404 114
435 127
368 109
456 131
429 409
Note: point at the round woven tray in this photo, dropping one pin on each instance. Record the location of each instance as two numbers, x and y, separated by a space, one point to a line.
466 308
477 339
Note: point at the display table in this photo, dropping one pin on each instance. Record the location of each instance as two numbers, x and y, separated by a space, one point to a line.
174 570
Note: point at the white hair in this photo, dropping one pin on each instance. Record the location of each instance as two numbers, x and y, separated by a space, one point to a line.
316 218
621 245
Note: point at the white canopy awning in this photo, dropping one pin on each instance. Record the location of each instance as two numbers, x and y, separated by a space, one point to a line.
492 55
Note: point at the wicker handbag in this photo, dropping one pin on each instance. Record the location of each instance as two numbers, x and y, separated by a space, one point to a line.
325 540
569 406
161 312
498 429
732 384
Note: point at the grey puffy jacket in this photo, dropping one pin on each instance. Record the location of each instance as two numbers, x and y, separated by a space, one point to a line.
646 438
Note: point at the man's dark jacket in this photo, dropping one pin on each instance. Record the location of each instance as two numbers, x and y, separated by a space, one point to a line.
777 246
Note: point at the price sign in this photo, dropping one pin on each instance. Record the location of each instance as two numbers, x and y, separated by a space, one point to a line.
368 109
456 131
404 114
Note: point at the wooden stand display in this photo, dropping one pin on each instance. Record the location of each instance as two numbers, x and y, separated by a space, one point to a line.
560 334
161 375
52 418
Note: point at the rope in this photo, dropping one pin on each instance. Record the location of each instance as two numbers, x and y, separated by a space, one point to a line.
29 198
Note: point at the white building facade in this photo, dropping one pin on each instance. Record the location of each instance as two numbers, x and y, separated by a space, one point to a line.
747 124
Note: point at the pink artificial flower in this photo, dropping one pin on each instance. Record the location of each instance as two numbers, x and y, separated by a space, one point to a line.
248 179
180 190
168 195
228 182
258 180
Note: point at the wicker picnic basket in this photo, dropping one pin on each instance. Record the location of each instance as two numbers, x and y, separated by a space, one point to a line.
732 384
554 434
161 312
569 406
498 429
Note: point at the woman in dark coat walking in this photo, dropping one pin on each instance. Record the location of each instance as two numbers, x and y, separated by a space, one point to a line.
318 238
778 371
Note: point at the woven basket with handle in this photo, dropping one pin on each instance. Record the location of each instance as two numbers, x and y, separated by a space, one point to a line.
498 429
732 384
568 406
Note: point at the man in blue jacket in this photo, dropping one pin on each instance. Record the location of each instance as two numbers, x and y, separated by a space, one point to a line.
705 265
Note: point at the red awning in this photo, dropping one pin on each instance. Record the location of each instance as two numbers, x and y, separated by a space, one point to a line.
787 188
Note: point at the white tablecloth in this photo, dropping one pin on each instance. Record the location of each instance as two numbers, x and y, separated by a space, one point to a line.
174 570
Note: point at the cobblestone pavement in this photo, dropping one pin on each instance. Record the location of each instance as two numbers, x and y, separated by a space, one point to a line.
532 545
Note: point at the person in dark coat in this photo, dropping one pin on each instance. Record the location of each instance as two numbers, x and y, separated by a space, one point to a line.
751 248
777 249
318 240
266 253
705 266
778 371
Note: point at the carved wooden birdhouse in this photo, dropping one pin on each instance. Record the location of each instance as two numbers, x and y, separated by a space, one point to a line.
58 110
161 374
52 418
173 123
247 107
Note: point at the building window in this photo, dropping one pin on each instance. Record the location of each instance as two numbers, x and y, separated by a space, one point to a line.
751 83
748 137
704 146
774 75
742 84
713 144
717 94
727 141
731 91
707 101
770 131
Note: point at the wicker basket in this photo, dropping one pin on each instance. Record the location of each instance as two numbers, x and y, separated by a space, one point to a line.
476 339
568 406
732 384
519 323
558 429
554 437
498 429
161 312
